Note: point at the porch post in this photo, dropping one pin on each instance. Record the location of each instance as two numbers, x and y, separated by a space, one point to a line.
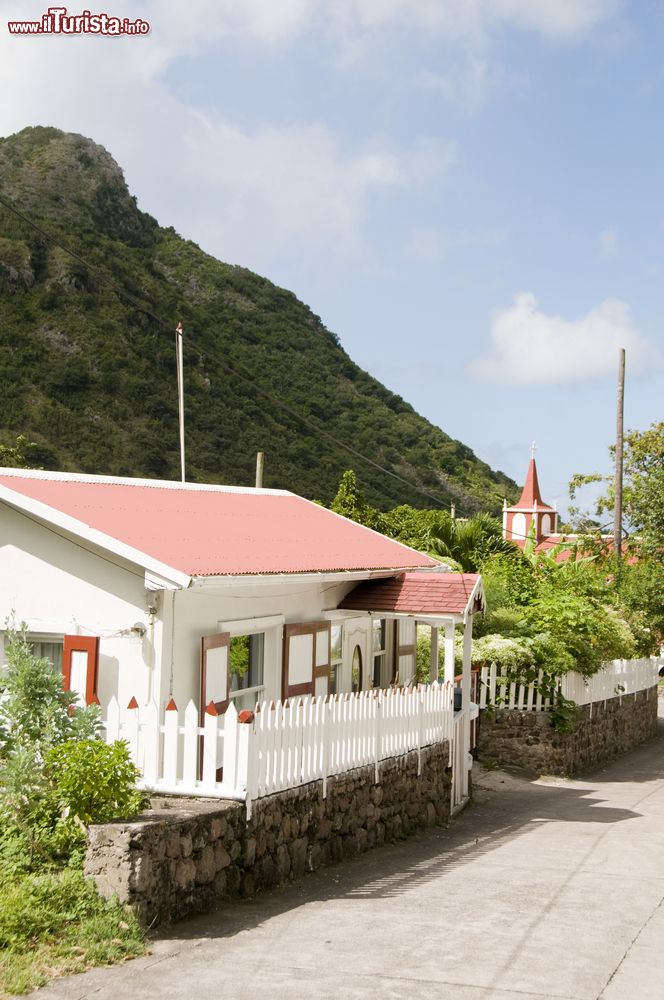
465 695
433 668
449 652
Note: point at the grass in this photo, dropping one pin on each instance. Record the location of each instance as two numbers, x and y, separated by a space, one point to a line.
54 924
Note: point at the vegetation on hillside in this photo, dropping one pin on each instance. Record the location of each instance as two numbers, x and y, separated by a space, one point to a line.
87 356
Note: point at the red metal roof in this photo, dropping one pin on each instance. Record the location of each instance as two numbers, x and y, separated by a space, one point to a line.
210 531
414 593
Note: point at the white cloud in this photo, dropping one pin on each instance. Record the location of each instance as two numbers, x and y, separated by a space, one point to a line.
251 195
528 346
555 19
568 20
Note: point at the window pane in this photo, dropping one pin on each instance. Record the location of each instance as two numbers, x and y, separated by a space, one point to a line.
246 661
239 662
378 663
51 651
356 669
337 635
256 650
378 635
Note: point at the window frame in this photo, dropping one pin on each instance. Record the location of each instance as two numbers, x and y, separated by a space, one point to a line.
336 663
250 688
378 655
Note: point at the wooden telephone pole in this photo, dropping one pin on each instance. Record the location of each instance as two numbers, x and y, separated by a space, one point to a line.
260 461
180 371
618 487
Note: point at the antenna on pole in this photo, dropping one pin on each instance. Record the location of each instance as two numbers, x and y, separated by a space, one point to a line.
260 461
618 486
178 358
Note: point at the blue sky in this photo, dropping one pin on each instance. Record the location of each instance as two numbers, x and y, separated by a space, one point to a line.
468 192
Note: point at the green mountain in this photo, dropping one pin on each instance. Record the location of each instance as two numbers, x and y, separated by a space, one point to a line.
87 358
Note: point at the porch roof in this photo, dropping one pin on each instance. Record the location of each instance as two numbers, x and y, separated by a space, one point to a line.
431 594
205 530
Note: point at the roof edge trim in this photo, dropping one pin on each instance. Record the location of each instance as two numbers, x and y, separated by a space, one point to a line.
162 484
93 536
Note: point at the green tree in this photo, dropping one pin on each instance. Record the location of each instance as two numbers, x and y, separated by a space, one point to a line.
350 502
643 488
16 456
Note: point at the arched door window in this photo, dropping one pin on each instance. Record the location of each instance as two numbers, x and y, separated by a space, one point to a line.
356 670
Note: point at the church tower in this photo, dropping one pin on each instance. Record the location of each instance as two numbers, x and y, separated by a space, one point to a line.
531 509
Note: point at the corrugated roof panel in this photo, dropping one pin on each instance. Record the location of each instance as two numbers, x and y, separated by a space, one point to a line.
215 531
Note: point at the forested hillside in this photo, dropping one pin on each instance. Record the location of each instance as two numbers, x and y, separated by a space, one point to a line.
87 360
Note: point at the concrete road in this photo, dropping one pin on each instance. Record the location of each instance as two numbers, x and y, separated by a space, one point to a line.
540 889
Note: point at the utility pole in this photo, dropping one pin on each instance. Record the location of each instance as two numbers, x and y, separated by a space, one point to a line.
618 487
178 360
259 469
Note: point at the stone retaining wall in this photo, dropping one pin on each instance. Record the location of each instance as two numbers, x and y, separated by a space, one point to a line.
187 854
601 731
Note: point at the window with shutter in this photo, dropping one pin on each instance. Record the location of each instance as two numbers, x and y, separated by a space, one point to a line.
306 659
80 664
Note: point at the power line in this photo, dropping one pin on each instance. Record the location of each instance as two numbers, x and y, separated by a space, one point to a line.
231 368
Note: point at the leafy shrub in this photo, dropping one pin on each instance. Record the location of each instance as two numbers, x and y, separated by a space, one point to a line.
94 782
55 777
35 711
590 632
502 650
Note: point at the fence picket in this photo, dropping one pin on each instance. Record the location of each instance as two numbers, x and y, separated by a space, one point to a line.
171 734
112 724
190 751
151 739
210 747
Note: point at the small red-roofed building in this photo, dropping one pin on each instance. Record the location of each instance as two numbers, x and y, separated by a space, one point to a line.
162 593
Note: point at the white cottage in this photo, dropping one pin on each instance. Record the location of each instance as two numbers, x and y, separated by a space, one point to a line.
160 592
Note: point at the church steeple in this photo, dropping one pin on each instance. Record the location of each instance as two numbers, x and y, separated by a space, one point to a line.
531 509
530 495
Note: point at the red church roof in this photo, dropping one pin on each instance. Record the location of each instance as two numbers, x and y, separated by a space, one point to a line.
417 593
211 530
531 495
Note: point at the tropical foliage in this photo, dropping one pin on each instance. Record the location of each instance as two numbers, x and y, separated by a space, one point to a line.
543 611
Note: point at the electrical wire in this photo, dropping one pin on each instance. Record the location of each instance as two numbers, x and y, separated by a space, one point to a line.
231 368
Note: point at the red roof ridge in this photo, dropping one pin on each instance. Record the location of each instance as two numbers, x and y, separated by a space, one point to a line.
165 484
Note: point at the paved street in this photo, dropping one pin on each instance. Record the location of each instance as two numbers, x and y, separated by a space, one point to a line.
539 890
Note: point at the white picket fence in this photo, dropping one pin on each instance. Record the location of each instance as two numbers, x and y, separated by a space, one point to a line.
616 679
283 745
309 739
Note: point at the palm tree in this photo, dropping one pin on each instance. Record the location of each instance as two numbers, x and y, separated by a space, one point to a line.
470 542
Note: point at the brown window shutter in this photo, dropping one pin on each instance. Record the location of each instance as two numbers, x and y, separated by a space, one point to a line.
215 671
87 645
315 678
